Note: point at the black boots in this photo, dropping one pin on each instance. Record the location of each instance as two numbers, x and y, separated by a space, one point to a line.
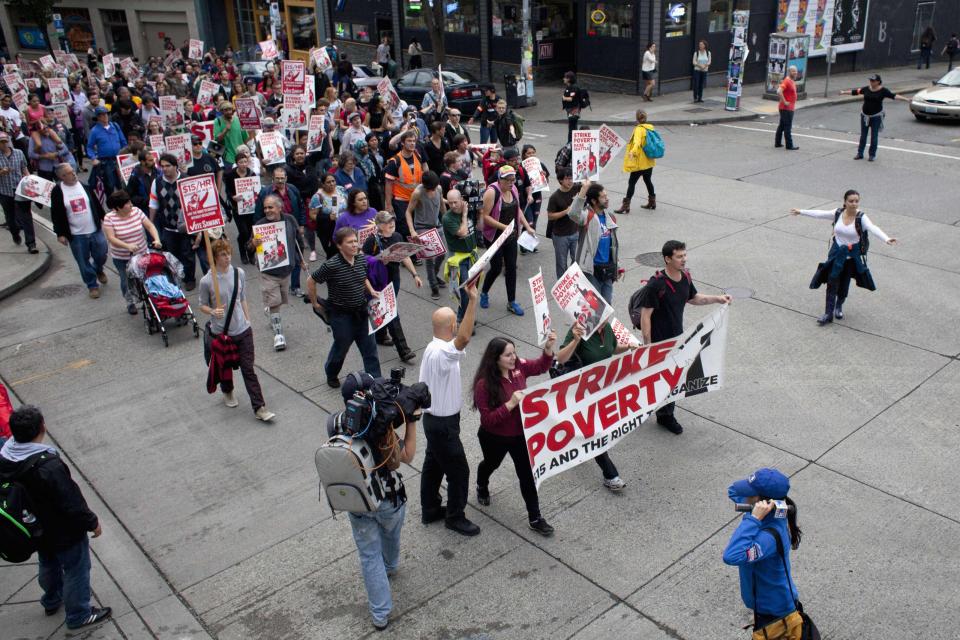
831 305
838 310
400 342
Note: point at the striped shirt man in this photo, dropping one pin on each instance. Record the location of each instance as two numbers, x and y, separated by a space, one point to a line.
345 282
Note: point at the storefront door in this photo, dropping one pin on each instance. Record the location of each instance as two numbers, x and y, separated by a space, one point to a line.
676 43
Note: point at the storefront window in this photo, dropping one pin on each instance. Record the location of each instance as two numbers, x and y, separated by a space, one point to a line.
459 17
720 11
606 20
507 19
555 19
303 27
115 24
676 19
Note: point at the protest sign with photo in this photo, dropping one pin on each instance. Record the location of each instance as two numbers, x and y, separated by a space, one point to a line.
35 188
538 177
200 202
155 141
47 63
205 94
33 84
268 50
622 334
293 77
580 300
129 69
247 189
389 95
432 242
73 63
109 65
14 82
11 68
20 100
126 163
272 251
586 153
541 308
196 49
309 96
204 130
59 90
578 416
365 232
483 262
248 113
320 58
172 110
381 311
61 113
398 251
294 114
611 144
180 146
271 144
316 133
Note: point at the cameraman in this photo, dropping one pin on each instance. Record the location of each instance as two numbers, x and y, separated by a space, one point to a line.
377 533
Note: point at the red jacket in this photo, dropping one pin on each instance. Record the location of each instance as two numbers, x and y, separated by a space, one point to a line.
500 420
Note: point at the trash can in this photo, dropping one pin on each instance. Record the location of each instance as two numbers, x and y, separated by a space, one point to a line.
516 91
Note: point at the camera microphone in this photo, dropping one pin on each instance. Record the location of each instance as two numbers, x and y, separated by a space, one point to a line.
780 506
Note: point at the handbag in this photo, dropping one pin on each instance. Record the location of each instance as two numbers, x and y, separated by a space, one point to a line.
222 344
809 630
605 272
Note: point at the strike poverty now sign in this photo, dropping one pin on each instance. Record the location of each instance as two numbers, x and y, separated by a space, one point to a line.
200 203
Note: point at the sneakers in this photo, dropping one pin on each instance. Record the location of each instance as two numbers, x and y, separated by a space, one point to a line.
838 312
264 414
671 425
380 625
32 249
435 293
540 526
484 301
859 156
94 293
515 308
313 256
297 292
132 309
96 615
279 342
441 283
462 526
230 400
102 278
333 383
614 484
826 318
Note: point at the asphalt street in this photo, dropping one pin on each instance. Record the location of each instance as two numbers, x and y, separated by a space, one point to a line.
222 511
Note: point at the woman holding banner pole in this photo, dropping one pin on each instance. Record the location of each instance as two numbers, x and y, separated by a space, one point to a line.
498 389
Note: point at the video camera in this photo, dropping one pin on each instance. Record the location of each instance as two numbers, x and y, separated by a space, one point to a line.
382 404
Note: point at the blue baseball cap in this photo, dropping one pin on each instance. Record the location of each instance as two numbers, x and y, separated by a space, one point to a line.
765 482
99 111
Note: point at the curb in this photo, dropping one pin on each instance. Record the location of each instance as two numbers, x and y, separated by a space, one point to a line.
15 286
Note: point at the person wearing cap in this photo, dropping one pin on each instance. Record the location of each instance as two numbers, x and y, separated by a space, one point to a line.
203 162
103 144
501 206
760 548
454 128
228 132
16 209
354 133
871 117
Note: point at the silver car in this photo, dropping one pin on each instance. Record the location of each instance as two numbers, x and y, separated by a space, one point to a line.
940 101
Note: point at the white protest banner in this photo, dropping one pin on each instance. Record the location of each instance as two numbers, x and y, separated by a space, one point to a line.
483 148
20 99
541 308
196 49
59 90
247 188
109 65
155 140
586 151
268 50
273 250
47 63
580 300
293 77
398 251
180 146
14 81
611 144
483 262
35 188
200 203
575 417
204 130
389 95
126 163
271 144
381 311
293 116
432 242
538 177
320 57
172 110
61 113
205 94
316 133
622 334
248 113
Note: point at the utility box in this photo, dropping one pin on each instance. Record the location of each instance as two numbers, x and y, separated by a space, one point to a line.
516 91
786 50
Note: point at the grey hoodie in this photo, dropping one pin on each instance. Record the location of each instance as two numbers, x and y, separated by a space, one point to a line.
587 247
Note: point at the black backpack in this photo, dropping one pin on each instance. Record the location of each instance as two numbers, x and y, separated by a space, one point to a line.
20 528
858 225
636 299
584 97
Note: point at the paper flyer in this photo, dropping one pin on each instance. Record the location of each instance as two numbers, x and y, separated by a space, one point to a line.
483 262
389 95
381 311
320 58
35 188
200 203
586 153
155 140
126 163
624 336
293 74
109 65
294 115
61 113
268 50
399 251
538 177
205 94
196 49
14 81
172 111
273 250
541 308
580 300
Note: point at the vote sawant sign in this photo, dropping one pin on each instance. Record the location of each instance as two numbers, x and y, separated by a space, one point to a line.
578 416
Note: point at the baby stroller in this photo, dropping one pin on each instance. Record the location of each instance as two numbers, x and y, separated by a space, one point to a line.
154 277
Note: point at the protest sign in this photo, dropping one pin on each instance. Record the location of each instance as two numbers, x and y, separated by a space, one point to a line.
381 311
59 90
580 300
483 148
309 96
268 50
578 416
20 99
320 57
14 81
200 203
180 146
272 251
172 111
73 63
398 251
294 115
541 308
61 113
538 177
389 95
293 77
109 65
623 335
271 144
47 63
432 243
247 188
205 94
129 69
204 130
316 133
126 163
11 68
586 151
155 140
483 262
34 84
248 113
35 188
365 232
611 144
196 49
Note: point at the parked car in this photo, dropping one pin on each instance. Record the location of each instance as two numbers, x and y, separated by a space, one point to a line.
463 91
363 76
940 101
254 69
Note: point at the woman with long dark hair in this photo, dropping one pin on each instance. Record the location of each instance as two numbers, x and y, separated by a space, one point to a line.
761 547
926 46
498 388
847 257
648 69
701 65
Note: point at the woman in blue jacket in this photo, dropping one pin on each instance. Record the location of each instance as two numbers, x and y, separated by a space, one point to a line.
765 583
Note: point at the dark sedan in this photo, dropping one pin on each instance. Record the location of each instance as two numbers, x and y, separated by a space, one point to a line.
463 91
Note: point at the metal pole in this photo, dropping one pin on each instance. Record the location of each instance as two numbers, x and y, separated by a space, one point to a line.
826 85
526 53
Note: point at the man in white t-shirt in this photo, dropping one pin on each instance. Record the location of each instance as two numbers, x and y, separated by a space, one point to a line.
77 216
11 121
440 370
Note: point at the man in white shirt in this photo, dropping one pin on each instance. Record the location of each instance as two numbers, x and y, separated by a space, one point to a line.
11 121
440 370
77 216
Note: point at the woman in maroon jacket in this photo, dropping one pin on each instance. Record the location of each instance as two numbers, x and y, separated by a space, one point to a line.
498 388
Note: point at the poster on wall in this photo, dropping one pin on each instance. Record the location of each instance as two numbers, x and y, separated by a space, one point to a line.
840 23
849 24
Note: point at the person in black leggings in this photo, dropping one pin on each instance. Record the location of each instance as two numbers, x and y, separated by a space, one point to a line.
638 165
570 101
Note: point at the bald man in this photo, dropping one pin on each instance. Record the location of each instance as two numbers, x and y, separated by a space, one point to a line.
440 370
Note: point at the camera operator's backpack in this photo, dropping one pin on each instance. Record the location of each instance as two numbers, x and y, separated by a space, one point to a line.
347 474
20 528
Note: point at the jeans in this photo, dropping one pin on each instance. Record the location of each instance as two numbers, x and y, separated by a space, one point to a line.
90 252
377 535
494 448
295 274
505 260
19 218
444 457
873 124
121 267
607 467
647 175
699 83
348 328
181 246
64 577
488 134
564 251
604 287
924 56
785 128
107 170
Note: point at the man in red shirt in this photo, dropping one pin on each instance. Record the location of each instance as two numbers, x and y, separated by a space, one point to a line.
788 102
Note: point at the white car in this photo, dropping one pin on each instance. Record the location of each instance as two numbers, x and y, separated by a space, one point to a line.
940 101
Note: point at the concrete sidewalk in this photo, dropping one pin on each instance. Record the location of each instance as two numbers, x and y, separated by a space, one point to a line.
19 268
678 108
